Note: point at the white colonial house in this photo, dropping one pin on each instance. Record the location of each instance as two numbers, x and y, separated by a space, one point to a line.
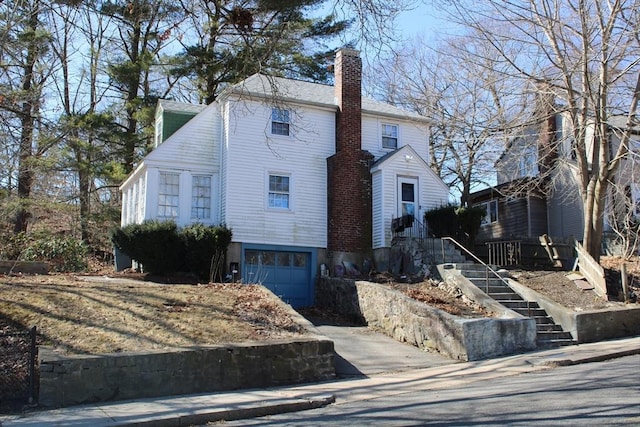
304 174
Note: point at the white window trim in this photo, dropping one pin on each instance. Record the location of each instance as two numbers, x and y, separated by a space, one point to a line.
272 121
382 135
178 195
210 197
486 220
268 190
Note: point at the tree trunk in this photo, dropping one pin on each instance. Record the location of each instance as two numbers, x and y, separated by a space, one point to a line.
27 123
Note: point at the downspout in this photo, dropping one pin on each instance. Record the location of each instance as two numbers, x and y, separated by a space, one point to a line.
222 168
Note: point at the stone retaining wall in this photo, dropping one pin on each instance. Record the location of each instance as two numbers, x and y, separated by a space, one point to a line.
411 321
73 380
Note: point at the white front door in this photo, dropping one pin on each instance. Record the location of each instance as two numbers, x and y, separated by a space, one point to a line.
408 196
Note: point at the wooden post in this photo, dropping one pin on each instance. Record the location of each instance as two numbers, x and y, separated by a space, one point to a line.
625 282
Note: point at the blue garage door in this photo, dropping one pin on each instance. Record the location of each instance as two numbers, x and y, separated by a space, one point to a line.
286 273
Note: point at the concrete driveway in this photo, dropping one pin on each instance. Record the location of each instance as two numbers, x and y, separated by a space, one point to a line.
361 351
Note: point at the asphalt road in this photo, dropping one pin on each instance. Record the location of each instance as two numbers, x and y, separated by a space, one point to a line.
599 394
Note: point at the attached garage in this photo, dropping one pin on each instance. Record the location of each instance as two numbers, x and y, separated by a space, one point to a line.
288 272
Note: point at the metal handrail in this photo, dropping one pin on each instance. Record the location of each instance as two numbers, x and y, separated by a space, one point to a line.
488 268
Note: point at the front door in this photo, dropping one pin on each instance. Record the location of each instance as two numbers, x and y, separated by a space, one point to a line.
407 196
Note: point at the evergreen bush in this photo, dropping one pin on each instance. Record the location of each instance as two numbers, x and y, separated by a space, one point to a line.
155 244
205 247
162 248
62 253
461 223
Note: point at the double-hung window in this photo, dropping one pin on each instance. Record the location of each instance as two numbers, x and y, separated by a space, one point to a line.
168 195
201 197
389 136
279 196
280 121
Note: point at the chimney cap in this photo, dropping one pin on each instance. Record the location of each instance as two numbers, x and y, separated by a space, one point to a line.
347 51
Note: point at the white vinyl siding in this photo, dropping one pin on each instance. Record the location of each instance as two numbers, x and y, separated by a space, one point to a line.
251 156
378 208
409 133
432 192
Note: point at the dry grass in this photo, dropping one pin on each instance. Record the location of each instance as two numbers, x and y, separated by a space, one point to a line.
102 315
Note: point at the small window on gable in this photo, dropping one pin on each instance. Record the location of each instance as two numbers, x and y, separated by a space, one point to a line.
389 136
491 212
279 192
280 121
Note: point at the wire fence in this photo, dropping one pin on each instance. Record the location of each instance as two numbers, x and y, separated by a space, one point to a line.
18 373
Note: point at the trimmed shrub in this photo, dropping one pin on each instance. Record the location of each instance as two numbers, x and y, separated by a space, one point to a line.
62 253
154 244
443 221
461 223
205 247
162 248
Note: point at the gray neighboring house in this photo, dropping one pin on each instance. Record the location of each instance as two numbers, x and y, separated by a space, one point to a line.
537 191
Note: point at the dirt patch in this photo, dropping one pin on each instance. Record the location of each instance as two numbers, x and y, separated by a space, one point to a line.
557 286
103 315
443 296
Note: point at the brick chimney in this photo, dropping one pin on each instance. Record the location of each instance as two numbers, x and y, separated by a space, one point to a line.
547 141
348 170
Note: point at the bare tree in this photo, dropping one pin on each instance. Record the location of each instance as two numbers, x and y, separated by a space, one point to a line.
586 52
462 92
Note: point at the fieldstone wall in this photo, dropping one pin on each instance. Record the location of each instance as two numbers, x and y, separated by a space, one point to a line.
411 321
73 380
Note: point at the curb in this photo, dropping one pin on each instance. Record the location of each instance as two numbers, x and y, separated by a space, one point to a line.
591 359
253 410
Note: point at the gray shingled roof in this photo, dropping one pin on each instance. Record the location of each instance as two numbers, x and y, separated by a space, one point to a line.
298 91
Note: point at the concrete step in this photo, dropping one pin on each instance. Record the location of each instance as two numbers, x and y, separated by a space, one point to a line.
542 319
521 304
503 294
533 312
549 327
479 268
543 342
554 335
483 281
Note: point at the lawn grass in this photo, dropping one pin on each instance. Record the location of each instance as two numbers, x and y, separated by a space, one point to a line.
102 315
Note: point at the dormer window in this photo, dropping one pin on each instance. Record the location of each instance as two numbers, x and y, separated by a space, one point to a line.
389 136
528 163
280 121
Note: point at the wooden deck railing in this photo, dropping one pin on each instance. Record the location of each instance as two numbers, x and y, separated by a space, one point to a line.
504 253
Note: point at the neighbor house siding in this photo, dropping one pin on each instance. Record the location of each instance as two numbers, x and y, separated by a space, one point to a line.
253 153
565 205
